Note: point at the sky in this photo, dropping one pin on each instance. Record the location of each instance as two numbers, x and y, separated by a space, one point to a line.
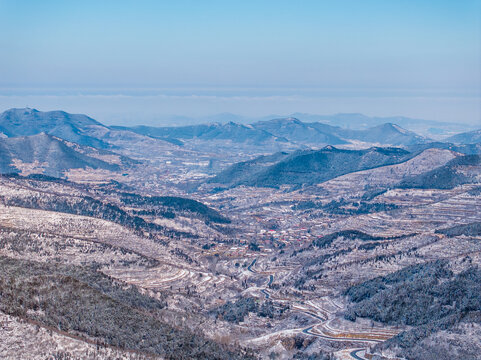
143 61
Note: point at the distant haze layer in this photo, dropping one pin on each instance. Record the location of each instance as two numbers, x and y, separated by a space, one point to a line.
188 106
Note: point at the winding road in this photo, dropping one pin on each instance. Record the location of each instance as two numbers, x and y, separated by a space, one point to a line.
266 294
323 318
249 268
354 355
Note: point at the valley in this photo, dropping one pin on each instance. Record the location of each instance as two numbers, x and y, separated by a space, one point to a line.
280 239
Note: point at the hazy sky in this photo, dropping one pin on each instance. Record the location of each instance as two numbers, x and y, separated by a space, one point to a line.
251 57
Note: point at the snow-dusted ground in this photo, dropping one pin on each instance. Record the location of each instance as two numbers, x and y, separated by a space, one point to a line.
24 340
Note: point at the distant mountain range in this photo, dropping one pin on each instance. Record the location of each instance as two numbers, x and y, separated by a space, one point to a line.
295 130
283 131
358 121
280 133
387 133
55 141
354 121
318 133
229 131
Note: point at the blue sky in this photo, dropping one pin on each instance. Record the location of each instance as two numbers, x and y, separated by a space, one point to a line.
406 49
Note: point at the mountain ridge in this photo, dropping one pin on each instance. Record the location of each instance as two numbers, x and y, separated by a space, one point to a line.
469 137
70 127
310 166
50 155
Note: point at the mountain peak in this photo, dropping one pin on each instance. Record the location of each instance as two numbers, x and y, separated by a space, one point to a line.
292 120
232 123
283 120
21 111
392 126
